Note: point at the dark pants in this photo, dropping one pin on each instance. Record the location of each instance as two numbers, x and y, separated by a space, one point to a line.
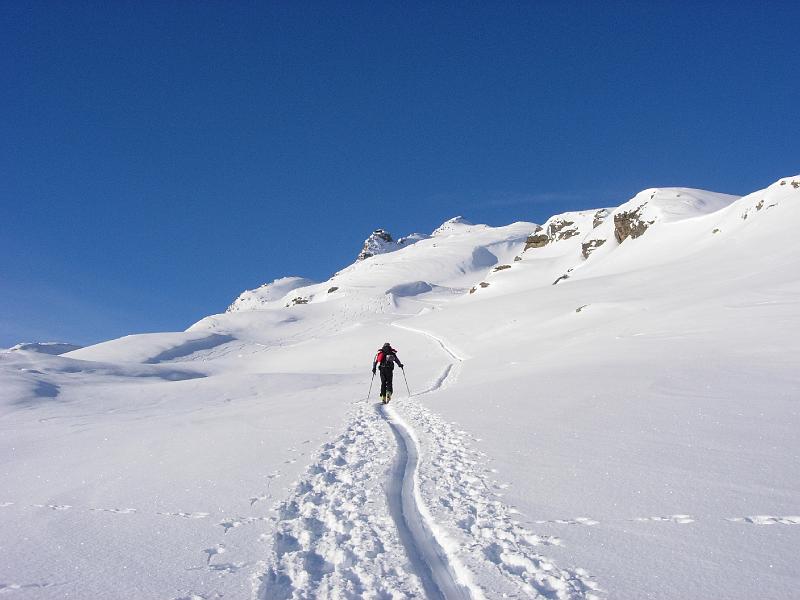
386 380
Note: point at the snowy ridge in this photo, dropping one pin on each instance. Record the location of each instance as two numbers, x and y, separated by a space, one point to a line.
55 348
268 294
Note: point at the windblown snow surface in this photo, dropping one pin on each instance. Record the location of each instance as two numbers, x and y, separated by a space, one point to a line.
588 418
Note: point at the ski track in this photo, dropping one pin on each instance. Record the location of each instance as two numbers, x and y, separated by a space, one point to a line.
334 536
443 577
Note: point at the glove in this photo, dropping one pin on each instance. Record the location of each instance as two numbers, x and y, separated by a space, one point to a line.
401 366
373 370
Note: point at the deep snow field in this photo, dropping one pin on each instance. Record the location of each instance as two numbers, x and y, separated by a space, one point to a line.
629 431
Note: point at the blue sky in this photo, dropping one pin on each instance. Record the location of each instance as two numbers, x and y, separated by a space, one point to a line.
157 158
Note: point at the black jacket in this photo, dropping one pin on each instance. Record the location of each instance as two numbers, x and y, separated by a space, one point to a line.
380 359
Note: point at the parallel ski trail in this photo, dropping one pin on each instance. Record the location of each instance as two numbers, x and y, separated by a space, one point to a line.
429 559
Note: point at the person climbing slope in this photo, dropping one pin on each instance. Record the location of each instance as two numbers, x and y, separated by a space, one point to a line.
385 360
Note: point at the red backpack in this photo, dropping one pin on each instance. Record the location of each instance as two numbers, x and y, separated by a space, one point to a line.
385 359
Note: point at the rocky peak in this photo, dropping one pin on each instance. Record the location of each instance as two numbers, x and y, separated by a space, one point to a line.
381 241
377 243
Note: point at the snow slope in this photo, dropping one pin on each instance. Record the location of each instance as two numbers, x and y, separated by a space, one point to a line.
629 432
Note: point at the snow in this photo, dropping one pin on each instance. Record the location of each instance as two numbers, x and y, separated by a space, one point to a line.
268 293
630 432
45 347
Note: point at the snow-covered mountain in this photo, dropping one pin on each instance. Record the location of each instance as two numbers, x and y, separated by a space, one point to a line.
45 347
603 405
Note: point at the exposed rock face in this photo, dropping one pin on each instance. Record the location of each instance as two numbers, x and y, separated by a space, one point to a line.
375 244
501 268
630 224
557 229
599 217
588 247
561 229
333 289
536 240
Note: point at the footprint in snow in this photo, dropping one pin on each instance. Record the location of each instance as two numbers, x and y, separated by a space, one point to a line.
576 521
53 506
118 511
11 587
227 567
767 520
212 552
185 515
260 498
229 524
680 519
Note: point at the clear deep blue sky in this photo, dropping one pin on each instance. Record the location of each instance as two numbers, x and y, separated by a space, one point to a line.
156 158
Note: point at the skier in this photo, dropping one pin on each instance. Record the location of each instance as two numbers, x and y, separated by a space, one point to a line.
384 360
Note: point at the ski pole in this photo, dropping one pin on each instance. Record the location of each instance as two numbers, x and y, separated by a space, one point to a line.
403 369
370 385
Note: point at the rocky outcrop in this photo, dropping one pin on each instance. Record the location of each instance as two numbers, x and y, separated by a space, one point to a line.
588 247
561 229
482 284
376 243
629 224
501 268
536 240
557 229
599 217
